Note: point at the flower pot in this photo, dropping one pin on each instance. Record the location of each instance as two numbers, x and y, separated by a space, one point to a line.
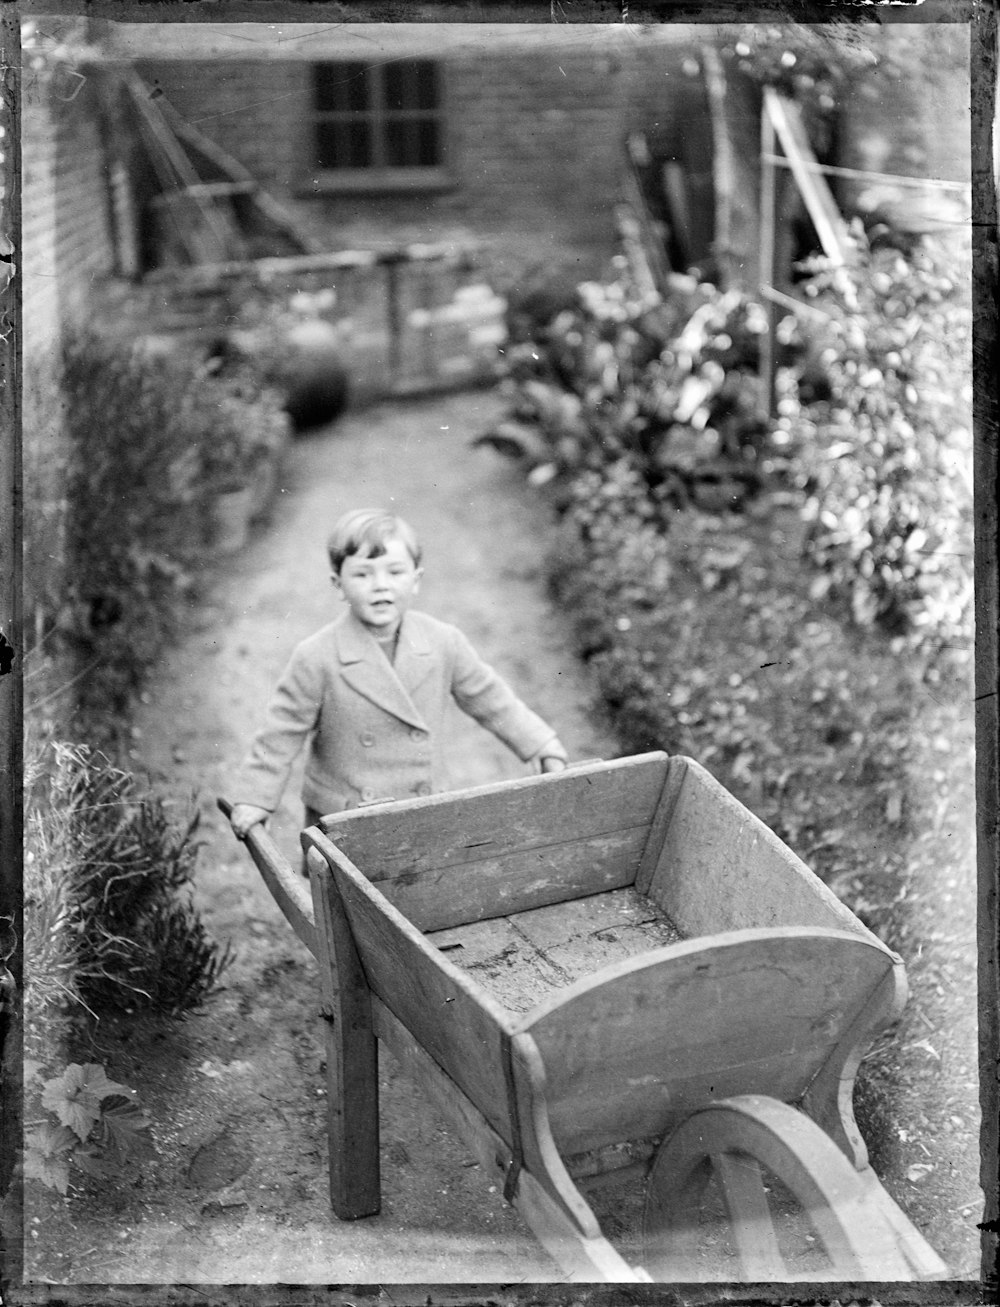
232 513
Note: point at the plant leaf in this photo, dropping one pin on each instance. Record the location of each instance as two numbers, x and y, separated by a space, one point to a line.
52 1171
92 1163
97 1083
51 1140
128 1130
75 1096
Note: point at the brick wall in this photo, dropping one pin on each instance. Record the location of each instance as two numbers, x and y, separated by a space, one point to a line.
66 245
534 146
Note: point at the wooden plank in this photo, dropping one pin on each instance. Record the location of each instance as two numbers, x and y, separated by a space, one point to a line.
559 924
490 1148
813 186
287 887
458 1024
528 842
570 1234
544 1192
924 1262
829 1100
293 265
522 958
269 206
720 868
768 199
641 1044
351 1057
501 818
438 898
534 1197
663 815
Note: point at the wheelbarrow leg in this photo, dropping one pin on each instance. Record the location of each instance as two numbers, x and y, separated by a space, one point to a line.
351 1057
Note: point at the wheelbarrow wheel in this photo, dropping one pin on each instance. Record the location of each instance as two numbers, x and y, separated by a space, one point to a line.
750 1189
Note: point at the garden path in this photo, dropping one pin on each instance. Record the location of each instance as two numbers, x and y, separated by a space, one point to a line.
237 1095
238 1193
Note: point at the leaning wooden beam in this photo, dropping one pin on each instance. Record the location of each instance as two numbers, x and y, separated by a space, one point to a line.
163 138
830 227
230 166
723 165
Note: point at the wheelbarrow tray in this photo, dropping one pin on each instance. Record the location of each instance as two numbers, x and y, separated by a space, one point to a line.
572 965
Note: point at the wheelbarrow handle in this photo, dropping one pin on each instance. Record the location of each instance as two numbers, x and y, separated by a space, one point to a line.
289 890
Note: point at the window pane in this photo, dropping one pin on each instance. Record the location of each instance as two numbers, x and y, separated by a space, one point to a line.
397 143
343 144
428 143
411 143
410 84
427 85
342 87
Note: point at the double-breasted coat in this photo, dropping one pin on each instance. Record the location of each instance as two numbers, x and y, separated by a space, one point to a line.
374 728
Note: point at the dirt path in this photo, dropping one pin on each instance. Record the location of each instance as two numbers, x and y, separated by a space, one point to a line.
236 1093
238 1194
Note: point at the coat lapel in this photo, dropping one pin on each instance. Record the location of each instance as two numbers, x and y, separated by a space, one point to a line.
366 669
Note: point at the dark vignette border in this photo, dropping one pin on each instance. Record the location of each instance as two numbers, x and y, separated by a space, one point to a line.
981 17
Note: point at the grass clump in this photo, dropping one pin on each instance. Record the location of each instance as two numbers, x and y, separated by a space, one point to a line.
109 920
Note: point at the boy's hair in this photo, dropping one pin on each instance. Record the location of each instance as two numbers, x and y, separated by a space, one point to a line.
365 531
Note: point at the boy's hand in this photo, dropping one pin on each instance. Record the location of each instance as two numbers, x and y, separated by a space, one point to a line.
553 763
244 816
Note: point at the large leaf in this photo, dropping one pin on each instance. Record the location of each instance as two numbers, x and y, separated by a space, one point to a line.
47 1154
75 1096
126 1128
51 1140
52 1171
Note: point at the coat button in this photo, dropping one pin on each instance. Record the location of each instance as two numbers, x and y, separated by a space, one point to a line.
422 789
367 739
367 794
417 733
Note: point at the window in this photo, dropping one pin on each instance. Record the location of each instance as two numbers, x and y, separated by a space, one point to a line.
382 120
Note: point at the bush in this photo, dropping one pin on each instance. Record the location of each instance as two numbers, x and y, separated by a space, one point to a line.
669 388
153 442
109 921
886 461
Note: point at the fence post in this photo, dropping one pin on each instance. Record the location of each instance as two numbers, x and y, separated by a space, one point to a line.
767 206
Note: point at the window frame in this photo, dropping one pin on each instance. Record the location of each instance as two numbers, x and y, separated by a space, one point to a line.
380 177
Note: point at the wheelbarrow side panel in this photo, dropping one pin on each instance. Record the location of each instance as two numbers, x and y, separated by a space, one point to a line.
541 1190
632 1050
718 867
459 1024
449 859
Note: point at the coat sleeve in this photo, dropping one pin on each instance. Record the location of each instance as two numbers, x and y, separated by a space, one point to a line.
484 695
291 715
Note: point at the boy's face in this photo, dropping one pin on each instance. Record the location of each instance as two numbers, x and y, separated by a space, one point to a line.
380 590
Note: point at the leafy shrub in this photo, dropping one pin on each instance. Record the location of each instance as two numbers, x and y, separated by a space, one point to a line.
109 922
98 1126
671 388
886 461
153 441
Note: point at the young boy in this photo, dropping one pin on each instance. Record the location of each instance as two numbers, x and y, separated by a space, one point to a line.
370 690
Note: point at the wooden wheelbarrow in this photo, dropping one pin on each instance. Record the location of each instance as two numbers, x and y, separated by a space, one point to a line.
611 975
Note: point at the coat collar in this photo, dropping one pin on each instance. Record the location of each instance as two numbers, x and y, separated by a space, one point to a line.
366 669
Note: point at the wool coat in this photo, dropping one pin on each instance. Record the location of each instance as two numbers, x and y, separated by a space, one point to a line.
375 729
